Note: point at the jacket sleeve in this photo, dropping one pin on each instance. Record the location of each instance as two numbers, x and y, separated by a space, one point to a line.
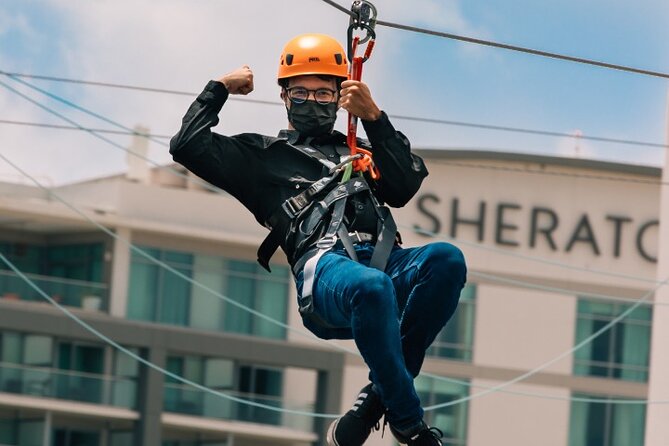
213 157
401 171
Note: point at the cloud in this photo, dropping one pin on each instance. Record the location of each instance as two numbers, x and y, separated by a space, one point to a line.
174 44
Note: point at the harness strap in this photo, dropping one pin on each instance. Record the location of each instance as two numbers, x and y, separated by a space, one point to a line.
384 241
306 301
281 220
337 230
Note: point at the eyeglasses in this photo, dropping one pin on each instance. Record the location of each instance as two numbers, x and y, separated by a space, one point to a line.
323 96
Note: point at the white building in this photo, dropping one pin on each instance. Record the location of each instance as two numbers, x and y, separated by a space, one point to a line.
556 248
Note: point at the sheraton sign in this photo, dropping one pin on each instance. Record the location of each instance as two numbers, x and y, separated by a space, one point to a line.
541 227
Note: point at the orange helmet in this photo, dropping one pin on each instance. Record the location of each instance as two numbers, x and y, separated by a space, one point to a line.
313 54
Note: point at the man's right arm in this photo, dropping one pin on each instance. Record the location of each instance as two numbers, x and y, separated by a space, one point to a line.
212 157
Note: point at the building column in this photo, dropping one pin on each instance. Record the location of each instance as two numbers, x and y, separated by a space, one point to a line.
150 399
48 426
120 274
328 399
657 427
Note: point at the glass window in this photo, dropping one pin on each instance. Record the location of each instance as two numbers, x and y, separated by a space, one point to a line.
37 350
126 376
456 339
600 424
621 352
69 437
158 295
121 438
8 431
451 420
31 432
10 347
262 385
252 286
80 261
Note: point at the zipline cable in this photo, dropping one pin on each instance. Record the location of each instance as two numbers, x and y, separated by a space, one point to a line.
393 116
490 43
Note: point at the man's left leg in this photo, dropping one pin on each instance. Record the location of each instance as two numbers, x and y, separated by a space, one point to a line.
428 281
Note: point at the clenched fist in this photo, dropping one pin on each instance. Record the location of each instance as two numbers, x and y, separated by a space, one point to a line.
239 81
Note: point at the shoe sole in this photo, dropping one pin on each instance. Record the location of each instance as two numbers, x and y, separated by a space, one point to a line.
330 435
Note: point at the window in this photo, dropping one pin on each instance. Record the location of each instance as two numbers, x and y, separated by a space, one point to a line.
451 420
68 273
621 352
597 424
455 340
156 294
71 437
251 285
214 373
48 367
126 376
262 385
23 358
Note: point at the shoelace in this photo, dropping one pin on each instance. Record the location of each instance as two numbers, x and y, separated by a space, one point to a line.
434 432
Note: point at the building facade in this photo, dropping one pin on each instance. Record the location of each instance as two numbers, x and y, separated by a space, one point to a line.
556 249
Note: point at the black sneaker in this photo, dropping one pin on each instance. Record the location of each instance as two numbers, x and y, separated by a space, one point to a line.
353 428
421 435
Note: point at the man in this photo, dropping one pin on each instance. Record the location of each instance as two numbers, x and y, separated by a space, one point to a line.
354 281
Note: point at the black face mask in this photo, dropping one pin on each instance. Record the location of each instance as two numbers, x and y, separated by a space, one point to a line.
311 118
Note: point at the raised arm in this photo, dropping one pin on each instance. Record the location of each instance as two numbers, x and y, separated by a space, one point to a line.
401 171
211 156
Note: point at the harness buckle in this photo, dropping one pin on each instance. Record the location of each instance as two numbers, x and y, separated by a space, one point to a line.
345 160
290 208
326 242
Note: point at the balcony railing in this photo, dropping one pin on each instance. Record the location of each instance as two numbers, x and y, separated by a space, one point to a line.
183 399
45 382
70 292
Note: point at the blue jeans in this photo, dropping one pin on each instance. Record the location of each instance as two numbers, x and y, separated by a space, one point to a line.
393 315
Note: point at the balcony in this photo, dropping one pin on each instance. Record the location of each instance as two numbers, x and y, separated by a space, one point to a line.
69 292
44 382
187 400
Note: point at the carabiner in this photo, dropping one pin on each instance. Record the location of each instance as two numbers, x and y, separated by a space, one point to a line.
363 16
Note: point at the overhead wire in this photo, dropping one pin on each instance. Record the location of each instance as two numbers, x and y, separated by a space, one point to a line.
269 319
155 138
205 389
646 297
186 177
435 161
456 123
417 230
504 46
148 363
607 400
85 129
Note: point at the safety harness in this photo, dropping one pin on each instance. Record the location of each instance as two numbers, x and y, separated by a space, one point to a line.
313 221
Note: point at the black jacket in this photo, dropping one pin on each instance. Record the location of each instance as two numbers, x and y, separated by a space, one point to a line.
263 171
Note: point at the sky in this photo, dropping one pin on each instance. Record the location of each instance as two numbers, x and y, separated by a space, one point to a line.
181 44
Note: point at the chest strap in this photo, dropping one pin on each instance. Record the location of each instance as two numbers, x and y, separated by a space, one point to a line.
281 223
